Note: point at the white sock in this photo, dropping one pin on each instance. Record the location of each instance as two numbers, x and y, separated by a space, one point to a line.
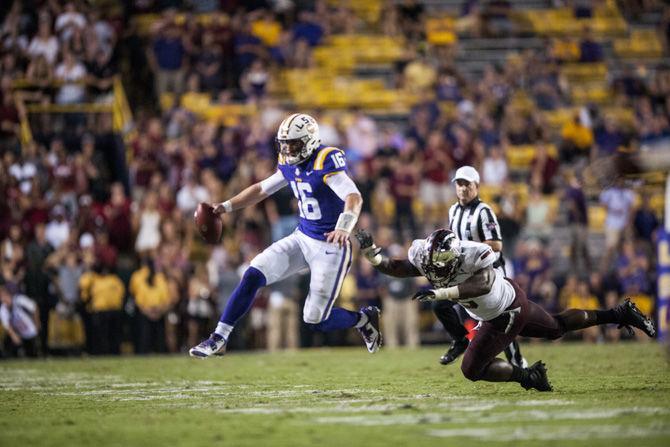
363 320
223 330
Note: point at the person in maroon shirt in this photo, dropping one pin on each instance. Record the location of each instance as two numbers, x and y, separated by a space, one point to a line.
117 214
404 188
435 189
9 121
543 169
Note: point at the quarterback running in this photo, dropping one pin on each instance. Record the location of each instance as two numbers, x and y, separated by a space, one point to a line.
462 271
329 205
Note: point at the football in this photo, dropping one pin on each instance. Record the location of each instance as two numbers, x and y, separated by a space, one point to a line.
208 223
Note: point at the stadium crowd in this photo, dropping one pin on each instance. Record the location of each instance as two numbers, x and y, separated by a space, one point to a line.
98 250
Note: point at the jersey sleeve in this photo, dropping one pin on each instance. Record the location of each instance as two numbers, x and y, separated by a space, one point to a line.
414 254
273 183
483 257
488 227
330 160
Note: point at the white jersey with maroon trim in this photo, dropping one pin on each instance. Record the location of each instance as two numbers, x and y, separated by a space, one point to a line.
474 257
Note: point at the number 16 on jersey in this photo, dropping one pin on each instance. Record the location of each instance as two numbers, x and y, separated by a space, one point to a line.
308 206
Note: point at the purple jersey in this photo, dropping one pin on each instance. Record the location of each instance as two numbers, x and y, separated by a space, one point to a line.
319 206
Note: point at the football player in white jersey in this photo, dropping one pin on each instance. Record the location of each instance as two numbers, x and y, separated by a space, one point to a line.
462 271
329 204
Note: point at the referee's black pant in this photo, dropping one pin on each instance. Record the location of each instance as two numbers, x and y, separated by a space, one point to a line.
446 312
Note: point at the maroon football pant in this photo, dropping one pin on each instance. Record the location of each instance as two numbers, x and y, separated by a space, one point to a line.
523 318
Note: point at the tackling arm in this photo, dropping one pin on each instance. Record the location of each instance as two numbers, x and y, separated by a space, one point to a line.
477 285
400 268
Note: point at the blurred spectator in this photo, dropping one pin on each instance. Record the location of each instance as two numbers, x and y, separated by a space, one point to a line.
645 220
19 316
581 298
58 229
149 288
247 48
411 16
543 169
209 64
117 214
494 168
102 292
619 202
362 137
101 72
72 74
283 315
632 269
575 202
367 286
200 307
539 216
576 140
10 129
404 188
254 82
167 59
190 195
69 20
44 43
435 192
147 221
37 280
308 28
401 314
608 139
589 49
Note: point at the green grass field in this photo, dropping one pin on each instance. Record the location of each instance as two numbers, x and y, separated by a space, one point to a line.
609 395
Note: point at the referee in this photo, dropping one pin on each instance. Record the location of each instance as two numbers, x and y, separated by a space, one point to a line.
473 220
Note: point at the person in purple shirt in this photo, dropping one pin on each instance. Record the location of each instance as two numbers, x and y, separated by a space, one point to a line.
167 59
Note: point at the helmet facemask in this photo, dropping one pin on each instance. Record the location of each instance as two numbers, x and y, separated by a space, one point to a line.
441 256
293 151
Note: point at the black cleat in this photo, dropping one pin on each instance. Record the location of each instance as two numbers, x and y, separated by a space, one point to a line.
630 315
537 378
457 348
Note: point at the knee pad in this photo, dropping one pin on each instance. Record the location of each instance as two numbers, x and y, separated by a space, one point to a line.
312 315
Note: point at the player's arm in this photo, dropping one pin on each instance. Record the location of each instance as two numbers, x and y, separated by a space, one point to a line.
400 268
253 194
478 284
346 189
495 245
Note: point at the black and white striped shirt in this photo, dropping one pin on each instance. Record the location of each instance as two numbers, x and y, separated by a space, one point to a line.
475 221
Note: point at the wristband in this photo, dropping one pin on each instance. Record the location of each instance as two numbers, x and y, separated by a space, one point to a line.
346 221
227 206
448 293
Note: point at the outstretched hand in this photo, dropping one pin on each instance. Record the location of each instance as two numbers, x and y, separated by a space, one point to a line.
364 239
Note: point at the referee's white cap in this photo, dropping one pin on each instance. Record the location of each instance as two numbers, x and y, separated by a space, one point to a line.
467 173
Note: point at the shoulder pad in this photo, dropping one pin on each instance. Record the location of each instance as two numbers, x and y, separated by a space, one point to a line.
330 159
